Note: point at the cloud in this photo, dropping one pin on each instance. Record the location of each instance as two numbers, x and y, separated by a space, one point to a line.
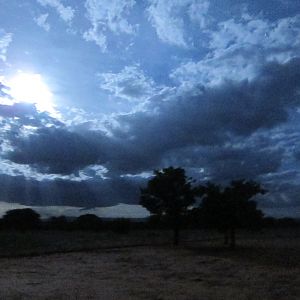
42 22
107 15
237 107
5 40
278 37
116 211
88 194
26 114
212 117
231 109
281 195
142 140
238 49
55 150
93 35
219 124
198 13
229 161
66 13
17 189
130 84
167 17
4 91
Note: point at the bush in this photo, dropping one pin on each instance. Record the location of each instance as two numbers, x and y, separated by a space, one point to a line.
58 223
121 225
88 222
21 219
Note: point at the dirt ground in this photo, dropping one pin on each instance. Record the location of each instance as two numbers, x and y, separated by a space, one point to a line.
156 272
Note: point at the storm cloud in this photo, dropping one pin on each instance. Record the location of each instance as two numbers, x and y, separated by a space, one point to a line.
210 117
55 150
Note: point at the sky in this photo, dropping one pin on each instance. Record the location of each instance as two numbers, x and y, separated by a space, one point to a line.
96 94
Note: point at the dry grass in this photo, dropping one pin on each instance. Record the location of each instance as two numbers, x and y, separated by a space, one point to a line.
266 266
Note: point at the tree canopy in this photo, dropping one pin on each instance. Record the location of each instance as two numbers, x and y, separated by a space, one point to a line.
169 192
231 207
22 219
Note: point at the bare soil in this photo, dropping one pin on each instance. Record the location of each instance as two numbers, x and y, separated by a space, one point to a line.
261 268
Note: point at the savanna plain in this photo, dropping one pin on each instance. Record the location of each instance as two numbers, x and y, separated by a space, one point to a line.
143 264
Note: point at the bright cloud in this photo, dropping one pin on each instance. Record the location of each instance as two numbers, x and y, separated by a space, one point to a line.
131 84
108 15
66 13
42 21
167 17
238 48
5 40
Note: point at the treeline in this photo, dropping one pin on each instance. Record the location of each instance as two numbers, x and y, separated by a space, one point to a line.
175 202
171 194
27 219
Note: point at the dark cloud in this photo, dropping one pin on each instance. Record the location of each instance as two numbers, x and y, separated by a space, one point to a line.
224 163
213 117
243 163
19 110
281 195
26 114
55 150
4 91
90 193
212 132
296 152
210 117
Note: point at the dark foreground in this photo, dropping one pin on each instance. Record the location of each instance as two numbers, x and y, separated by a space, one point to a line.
265 266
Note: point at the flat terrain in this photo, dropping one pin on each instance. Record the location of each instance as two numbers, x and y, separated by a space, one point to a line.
265 266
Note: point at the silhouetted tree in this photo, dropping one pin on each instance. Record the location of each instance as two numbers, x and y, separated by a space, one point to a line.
157 222
285 222
169 193
21 219
88 222
121 225
58 223
232 207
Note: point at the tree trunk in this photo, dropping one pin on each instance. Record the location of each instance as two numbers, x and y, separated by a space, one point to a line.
176 227
232 238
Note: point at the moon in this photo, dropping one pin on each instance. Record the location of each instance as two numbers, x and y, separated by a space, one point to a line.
31 88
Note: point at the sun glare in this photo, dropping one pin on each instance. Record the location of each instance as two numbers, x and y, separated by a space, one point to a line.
30 88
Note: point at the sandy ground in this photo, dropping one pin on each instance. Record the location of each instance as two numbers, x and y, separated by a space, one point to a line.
160 272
